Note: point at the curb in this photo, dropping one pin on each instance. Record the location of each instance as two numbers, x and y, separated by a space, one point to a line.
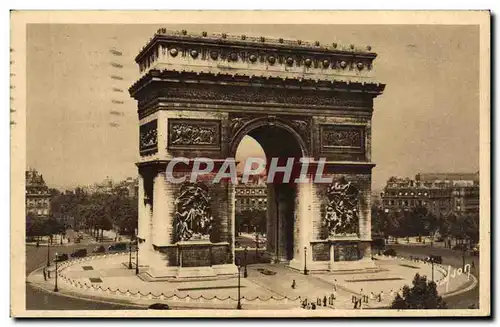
75 295
462 290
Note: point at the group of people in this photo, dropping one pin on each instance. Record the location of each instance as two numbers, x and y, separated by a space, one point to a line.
325 302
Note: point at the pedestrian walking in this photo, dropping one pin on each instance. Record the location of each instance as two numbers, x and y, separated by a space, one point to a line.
294 284
44 274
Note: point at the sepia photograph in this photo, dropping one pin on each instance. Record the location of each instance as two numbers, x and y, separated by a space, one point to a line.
250 164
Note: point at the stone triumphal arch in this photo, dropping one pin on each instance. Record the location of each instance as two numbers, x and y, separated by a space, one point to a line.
199 95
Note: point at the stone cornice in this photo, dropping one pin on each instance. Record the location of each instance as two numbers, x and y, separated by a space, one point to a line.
252 42
298 84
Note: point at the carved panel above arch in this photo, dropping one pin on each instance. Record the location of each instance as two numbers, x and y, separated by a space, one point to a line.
342 139
194 133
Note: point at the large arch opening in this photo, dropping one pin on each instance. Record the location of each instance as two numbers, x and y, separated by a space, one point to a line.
270 141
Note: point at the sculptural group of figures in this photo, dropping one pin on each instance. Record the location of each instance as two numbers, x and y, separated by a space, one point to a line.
193 219
192 134
342 213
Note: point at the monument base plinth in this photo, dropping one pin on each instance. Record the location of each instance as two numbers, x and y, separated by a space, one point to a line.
191 260
336 266
179 274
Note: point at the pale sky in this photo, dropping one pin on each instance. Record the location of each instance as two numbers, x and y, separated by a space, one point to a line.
79 130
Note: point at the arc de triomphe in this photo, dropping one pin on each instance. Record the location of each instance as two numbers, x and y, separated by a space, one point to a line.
199 95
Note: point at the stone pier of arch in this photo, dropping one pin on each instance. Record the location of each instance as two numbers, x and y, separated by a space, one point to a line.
199 95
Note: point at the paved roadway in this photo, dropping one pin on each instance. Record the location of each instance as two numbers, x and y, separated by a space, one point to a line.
37 299
40 300
452 258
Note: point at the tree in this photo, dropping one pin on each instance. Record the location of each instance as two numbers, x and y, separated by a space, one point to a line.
258 219
423 295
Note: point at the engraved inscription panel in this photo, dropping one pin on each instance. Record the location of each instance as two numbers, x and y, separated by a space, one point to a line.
194 133
196 256
321 252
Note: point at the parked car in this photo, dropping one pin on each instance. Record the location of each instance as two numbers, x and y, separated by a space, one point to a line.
390 252
61 257
159 306
99 249
118 247
80 253
434 258
440 239
475 250
460 247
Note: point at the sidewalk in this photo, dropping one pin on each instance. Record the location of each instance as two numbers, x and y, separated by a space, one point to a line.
266 287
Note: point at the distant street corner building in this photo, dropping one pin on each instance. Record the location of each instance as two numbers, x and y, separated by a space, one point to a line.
199 95
440 193
37 195
251 195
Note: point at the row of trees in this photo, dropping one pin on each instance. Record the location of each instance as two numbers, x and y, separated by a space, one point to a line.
420 222
249 220
43 227
94 212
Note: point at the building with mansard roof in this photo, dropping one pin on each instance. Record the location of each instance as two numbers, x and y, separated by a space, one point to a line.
440 193
37 195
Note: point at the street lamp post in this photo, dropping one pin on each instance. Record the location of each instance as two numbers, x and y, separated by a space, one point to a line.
432 263
305 260
137 257
463 257
256 243
48 253
130 255
55 286
238 306
245 253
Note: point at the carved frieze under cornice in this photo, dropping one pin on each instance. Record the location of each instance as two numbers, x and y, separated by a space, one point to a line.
329 96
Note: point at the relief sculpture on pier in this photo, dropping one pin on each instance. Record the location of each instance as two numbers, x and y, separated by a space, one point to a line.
342 209
193 218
